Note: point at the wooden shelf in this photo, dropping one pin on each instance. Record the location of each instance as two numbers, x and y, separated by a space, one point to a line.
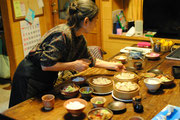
138 38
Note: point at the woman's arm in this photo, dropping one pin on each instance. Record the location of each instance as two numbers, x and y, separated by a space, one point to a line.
78 65
109 65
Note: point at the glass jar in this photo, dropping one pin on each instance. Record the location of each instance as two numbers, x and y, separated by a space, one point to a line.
157 47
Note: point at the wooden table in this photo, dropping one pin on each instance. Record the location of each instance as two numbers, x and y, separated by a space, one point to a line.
152 103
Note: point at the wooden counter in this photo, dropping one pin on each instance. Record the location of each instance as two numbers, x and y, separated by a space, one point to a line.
152 103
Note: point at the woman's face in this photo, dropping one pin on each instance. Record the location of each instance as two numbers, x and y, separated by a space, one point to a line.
89 25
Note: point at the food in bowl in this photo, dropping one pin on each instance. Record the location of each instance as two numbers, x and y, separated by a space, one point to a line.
75 105
78 79
153 81
121 58
86 91
125 75
166 79
100 114
153 55
101 84
126 86
163 78
99 102
70 88
101 81
125 90
149 75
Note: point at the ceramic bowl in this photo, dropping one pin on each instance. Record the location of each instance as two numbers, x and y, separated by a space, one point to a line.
166 79
98 88
121 58
153 84
75 106
98 101
86 92
99 113
69 93
79 80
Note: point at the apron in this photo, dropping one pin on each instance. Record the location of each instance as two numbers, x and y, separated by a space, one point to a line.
29 81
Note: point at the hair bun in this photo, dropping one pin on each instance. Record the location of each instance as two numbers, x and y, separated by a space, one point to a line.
73 8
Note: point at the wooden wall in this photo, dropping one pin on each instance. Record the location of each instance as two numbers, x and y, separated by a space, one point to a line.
13 35
113 43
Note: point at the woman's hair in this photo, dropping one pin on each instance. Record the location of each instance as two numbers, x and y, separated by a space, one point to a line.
78 10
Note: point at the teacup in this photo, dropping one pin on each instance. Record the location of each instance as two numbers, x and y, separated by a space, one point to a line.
48 101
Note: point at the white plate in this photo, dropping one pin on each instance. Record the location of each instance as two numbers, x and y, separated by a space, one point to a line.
143 50
121 99
102 93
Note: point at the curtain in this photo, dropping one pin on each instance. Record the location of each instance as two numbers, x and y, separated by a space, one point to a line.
133 9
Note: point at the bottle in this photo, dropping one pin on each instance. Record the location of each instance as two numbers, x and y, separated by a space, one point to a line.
138 107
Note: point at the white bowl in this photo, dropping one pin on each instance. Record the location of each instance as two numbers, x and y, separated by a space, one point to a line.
153 84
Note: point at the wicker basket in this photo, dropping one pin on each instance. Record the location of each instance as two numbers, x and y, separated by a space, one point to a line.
101 88
135 79
126 95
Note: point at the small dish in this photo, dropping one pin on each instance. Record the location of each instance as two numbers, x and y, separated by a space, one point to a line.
86 92
153 56
75 106
116 106
153 84
156 71
99 113
98 101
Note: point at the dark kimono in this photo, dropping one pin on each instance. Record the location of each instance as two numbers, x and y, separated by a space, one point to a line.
58 45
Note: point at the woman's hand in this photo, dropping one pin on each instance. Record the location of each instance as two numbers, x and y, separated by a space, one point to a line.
117 66
81 65
110 65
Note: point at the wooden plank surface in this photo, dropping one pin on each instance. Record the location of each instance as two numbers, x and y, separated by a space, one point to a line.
153 103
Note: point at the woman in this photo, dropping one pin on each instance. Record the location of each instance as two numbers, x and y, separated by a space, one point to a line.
61 48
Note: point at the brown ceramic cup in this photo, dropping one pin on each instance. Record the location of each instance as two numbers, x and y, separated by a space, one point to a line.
48 101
